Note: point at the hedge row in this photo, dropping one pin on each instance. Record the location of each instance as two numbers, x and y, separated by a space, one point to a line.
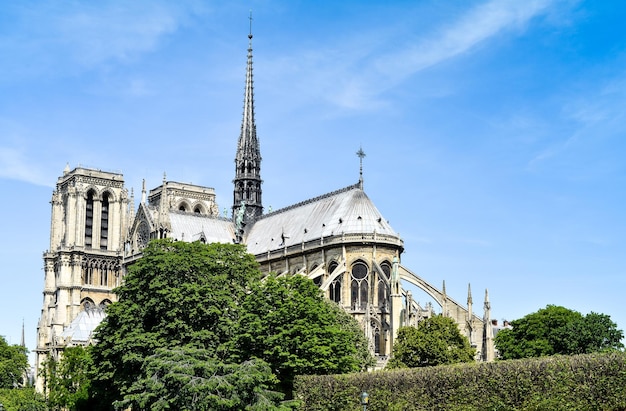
583 382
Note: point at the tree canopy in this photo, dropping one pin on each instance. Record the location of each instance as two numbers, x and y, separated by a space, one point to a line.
189 378
195 327
287 322
13 364
177 294
68 380
435 341
558 330
22 399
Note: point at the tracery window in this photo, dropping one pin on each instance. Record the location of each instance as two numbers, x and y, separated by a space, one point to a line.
359 286
383 289
335 286
104 222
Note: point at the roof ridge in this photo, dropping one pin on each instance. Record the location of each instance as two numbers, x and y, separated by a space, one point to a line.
312 200
198 215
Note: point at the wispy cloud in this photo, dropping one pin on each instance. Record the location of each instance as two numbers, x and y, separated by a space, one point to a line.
86 34
357 80
15 166
595 118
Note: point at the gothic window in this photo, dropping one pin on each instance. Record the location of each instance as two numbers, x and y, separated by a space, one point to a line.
335 285
104 222
89 219
88 304
197 210
359 286
104 303
383 290
104 276
88 275
378 343
143 235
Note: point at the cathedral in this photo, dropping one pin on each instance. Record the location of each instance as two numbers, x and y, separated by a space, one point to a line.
339 240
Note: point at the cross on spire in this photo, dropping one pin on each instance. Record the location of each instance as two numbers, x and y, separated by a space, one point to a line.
361 155
250 34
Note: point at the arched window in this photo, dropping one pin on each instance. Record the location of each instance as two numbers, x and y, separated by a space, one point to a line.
317 280
104 275
104 303
335 285
378 342
88 304
197 210
104 222
359 286
88 279
89 219
383 290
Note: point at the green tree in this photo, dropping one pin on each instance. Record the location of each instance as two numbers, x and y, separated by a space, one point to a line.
68 380
558 330
435 341
178 294
193 379
13 364
22 399
287 322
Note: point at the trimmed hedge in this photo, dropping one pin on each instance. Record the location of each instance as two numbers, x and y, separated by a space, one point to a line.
582 382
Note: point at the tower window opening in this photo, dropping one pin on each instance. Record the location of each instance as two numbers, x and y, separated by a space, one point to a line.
89 220
104 222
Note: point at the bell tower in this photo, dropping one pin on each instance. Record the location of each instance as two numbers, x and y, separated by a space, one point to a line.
83 264
247 203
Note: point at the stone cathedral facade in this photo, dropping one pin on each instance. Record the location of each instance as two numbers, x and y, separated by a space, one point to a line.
339 240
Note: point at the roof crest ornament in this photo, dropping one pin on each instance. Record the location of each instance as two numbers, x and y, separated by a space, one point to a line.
361 155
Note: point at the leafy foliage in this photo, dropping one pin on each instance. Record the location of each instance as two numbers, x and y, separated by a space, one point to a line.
68 380
196 328
287 322
558 330
177 294
437 340
192 379
22 399
13 364
587 382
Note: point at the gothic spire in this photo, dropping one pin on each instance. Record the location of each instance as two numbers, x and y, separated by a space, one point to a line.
247 183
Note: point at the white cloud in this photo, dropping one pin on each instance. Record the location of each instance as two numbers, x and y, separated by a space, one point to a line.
78 35
356 80
15 166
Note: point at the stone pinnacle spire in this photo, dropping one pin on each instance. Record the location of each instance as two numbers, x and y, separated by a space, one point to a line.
247 204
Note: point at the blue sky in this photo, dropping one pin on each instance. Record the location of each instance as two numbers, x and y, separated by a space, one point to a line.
494 130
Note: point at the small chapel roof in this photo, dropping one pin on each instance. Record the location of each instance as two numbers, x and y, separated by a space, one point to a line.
345 211
81 328
189 227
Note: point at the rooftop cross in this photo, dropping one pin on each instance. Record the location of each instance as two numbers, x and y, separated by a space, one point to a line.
250 34
360 154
